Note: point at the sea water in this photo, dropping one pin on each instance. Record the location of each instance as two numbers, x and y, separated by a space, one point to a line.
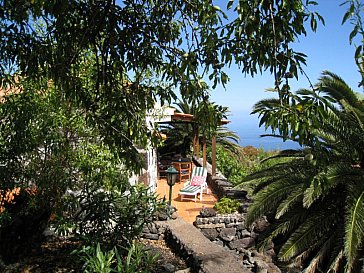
250 135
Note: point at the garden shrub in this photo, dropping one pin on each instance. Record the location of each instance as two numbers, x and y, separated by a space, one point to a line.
236 168
228 164
119 260
48 149
115 216
227 205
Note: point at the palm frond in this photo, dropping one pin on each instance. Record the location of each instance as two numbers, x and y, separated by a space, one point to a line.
359 115
224 133
284 226
294 197
184 107
293 167
268 199
317 253
289 137
294 170
337 262
321 254
317 225
288 153
228 140
325 181
337 88
264 104
354 228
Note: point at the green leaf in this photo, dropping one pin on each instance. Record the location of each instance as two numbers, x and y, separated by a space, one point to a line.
268 199
313 23
349 13
354 228
358 52
319 223
353 33
319 258
295 196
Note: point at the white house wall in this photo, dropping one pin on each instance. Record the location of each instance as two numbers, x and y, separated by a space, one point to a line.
150 172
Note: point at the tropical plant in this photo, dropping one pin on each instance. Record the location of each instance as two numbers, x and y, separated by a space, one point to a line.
114 216
206 122
316 200
354 16
138 259
227 205
96 259
96 55
232 167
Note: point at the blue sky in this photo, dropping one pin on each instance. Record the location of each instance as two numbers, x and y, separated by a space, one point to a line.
327 49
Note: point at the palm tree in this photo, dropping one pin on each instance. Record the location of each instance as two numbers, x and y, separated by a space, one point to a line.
315 201
180 134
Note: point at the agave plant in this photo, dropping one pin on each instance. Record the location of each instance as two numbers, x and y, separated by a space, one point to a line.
315 201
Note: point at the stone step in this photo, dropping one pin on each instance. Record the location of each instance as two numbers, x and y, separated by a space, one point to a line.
200 253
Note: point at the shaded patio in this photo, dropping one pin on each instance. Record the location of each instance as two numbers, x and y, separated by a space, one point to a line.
187 209
168 115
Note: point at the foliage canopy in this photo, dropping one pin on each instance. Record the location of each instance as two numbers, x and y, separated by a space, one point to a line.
107 62
130 47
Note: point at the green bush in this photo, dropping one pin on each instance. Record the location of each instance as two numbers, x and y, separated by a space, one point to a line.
227 205
109 216
236 168
48 149
98 260
229 165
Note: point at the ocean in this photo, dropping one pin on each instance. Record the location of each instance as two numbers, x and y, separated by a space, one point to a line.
250 135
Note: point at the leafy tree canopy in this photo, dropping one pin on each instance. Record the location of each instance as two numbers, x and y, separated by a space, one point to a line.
129 47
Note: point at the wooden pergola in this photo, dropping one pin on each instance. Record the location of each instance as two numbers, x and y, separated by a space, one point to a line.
181 117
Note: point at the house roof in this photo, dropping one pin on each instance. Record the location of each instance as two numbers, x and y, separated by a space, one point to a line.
189 118
169 114
181 117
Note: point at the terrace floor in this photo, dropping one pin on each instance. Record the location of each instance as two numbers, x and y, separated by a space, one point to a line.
187 209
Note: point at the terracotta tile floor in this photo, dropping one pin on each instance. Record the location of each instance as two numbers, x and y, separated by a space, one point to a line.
187 209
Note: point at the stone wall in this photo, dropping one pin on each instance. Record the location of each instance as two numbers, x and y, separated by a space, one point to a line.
223 188
154 230
230 231
226 230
